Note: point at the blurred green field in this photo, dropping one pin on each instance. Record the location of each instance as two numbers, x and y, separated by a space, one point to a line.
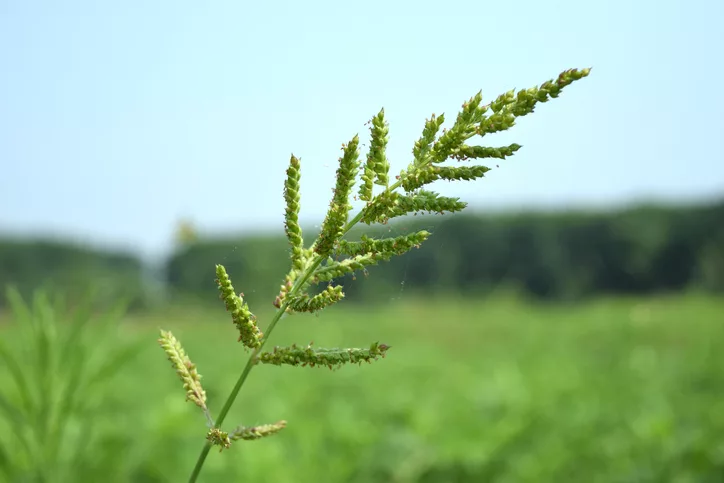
614 390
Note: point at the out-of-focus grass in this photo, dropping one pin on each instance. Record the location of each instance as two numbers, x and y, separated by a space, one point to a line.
493 390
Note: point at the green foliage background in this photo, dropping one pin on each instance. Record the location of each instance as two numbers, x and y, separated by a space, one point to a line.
621 389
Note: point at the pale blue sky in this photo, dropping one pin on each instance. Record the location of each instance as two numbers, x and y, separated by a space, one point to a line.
119 118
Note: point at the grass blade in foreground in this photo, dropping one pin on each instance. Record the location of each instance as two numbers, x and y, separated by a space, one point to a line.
49 398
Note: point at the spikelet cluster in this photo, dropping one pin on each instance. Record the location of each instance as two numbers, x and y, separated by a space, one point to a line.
223 439
387 246
291 219
244 320
285 288
392 205
219 438
250 433
332 228
304 303
435 147
377 168
309 356
331 256
185 369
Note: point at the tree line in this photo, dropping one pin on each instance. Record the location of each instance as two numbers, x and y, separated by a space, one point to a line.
552 256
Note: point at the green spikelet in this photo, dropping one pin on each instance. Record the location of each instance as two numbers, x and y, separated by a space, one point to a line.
381 208
466 152
327 297
244 320
394 205
377 168
256 432
378 147
285 288
368 179
387 246
427 174
423 146
428 201
339 208
463 129
333 269
291 218
185 369
307 356
219 438
509 106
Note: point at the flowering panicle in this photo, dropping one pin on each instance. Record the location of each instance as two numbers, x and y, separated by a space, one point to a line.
331 256
308 356
340 205
245 321
185 369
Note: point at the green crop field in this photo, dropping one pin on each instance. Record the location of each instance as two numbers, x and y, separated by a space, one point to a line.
613 390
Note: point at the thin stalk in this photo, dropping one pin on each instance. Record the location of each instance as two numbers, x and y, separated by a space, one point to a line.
248 367
277 316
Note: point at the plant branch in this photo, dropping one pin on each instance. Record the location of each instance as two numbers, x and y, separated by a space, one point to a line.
471 121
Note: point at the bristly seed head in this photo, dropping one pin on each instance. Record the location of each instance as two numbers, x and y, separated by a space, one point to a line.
332 358
185 369
244 320
340 205
291 217
256 432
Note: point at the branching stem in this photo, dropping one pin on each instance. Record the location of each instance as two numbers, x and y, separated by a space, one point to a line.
267 333
471 121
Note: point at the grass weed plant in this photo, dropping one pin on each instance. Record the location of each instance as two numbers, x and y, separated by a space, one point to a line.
61 366
332 256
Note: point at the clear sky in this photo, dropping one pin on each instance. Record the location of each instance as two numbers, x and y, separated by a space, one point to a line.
119 118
